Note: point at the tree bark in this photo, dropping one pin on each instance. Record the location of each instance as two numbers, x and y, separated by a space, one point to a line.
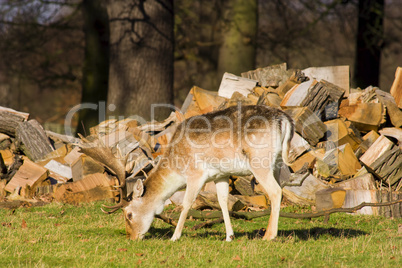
237 52
96 63
141 57
369 41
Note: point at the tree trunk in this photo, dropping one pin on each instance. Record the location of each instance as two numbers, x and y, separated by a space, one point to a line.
237 52
141 57
96 63
369 41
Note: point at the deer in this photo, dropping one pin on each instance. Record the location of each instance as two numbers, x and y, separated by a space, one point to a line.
239 140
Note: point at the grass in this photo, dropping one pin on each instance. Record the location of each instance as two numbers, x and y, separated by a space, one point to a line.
68 236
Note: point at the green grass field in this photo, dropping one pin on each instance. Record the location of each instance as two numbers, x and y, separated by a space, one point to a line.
68 236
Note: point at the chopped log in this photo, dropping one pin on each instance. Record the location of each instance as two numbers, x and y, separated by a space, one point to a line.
296 78
322 94
395 133
363 182
295 96
62 138
329 198
7 156
306 159
270 76
2 186
256 201
231 83
29 174
392 109
91 166
207 100
305 193
337 75
308 125
210 200
242 184
74 160
365 116
33 140
339 162
20 114
298 146
384 158
190 107
61 170
9 122
377 149
93 187
389 166
393 211
355 197
338 132
396 88
368 140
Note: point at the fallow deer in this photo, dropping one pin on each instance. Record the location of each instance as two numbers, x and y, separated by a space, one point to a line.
240 140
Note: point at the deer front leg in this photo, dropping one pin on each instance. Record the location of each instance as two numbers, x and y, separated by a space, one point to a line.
190 195
222 189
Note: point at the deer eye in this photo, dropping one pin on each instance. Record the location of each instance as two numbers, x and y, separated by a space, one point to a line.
129 216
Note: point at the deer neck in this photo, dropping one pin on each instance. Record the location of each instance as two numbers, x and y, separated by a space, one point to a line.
161 185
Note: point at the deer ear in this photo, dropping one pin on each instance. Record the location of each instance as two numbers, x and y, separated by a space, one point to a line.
138 189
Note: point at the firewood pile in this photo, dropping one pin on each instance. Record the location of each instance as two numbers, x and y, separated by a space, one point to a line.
346 149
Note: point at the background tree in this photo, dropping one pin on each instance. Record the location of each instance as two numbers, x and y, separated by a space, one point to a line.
141 56
95 71
370 39
238 46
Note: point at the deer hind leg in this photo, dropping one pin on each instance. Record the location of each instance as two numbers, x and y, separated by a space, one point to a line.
190 195
222 189
267 180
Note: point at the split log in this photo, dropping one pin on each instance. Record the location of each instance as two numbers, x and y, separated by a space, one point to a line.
362 182
338 132
305 193
337 75
368 140
210 200
242 184
63 172
395 133
321 95
270 76
2 186
365 116
340 161
296 78
396 88
308 125
258 201
306 159
29 174
7 156
329 198
384 158
91 188
206 100
392 109
9 122
33 140
74 160
231 83
295 96
298 146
